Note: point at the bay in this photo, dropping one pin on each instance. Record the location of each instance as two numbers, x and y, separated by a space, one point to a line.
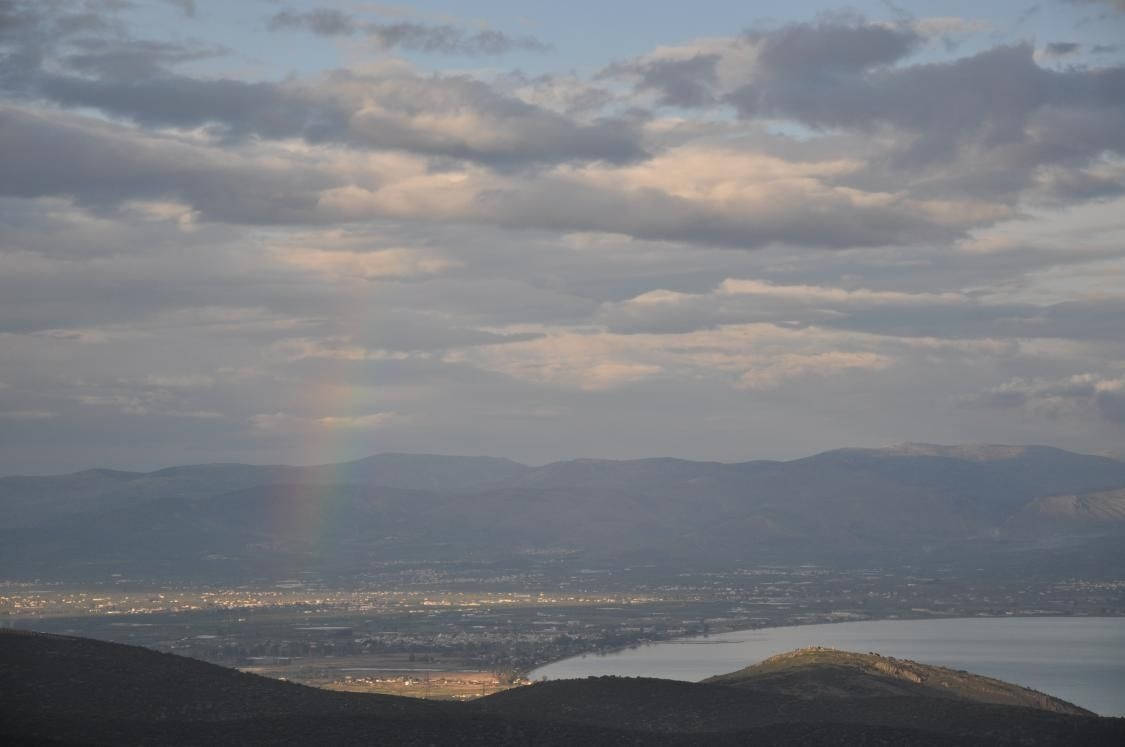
1080 659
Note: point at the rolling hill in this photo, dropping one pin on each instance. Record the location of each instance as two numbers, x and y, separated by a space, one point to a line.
75 691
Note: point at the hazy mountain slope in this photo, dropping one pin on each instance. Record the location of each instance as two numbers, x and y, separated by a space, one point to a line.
27 501
55 689
34 501
1102 508
989 481
271 530
430 472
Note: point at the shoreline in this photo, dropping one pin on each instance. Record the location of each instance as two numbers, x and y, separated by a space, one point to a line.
686 640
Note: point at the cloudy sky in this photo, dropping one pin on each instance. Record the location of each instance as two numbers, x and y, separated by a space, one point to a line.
285 231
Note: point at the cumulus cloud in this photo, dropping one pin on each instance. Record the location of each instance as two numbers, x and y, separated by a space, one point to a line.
211 256
840 44
740 300
443 115
996 98
779 369
747 356
955 125
83 61
695 195
101 164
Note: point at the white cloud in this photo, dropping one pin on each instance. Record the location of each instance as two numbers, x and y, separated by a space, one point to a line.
285 422
780 369
381 263
758 356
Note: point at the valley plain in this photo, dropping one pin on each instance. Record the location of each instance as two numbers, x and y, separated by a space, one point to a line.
376 575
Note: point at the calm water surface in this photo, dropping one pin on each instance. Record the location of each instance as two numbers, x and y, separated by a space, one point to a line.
1080 659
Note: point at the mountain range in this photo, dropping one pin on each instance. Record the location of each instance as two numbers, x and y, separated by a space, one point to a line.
900 504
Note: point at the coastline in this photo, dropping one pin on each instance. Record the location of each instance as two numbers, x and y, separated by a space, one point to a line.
1105 705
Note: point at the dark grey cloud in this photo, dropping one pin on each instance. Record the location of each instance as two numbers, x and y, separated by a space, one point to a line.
321 21
990 97
337 110
687 82
87 60
816 53
1062 49
984 125
133 59
418 37
450 39
994 114
652 214
831 46
101 165
30 32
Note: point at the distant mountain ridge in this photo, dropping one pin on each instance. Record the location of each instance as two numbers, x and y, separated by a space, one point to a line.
28 501
973 452
76 691
884 505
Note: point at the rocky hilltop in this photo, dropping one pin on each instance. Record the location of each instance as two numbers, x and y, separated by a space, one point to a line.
820 672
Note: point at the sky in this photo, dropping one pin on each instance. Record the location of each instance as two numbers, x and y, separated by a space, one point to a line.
304 232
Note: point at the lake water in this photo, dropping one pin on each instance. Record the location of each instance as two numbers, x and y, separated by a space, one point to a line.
1080 659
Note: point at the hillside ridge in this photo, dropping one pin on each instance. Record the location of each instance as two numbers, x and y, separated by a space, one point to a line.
77 691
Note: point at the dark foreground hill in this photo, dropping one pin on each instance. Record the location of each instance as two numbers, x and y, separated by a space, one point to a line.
987 507
59 690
